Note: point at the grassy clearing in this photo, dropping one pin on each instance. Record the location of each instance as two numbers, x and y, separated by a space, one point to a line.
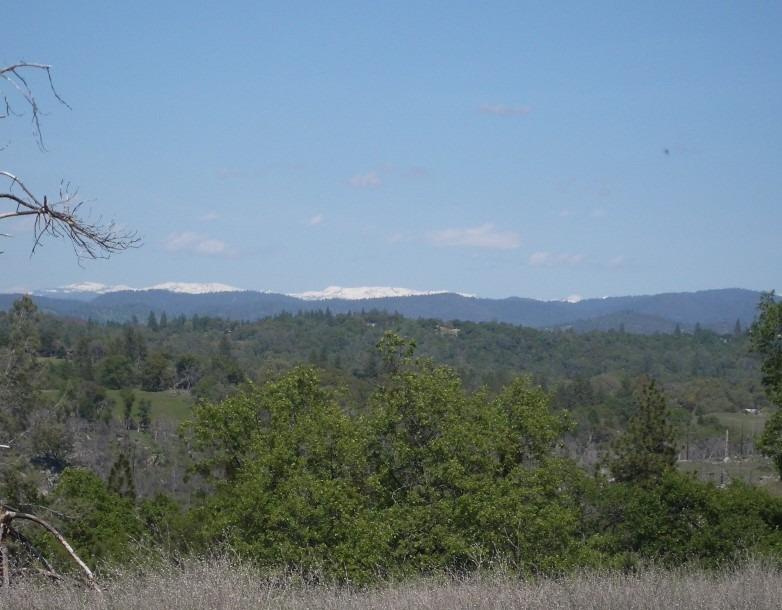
742 423
225 584
170 404
755 470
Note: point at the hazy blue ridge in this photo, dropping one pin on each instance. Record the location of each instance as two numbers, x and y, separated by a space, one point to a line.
714 309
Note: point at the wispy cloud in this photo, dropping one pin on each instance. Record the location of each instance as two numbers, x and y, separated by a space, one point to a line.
209 216
483 236
315 220
617 261
598 213
504 110
369 180
198 244
554 259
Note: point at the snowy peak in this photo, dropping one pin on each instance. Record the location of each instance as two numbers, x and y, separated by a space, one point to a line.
194 288
361 292
88 287
84 290
94 288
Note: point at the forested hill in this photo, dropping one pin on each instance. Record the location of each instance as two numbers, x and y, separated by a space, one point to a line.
717 310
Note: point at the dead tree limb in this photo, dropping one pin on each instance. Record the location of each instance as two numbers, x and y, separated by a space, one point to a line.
62 216
15 76
6 518
27 543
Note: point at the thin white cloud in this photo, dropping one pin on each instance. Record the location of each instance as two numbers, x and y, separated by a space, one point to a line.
505 110
616 261
370 180
598 213
565 213
209 216
483 236
315 220
198 244
555 259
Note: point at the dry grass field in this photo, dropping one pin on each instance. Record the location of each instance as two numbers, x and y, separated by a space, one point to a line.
224 584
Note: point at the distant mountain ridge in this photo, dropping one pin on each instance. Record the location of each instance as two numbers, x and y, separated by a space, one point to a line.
713 309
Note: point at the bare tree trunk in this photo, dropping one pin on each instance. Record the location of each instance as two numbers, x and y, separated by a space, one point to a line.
4 553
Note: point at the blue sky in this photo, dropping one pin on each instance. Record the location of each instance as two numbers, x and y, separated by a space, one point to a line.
491 148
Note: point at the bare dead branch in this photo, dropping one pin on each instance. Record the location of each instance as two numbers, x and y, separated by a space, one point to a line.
6 518
27 543
4 557
63 218
14 76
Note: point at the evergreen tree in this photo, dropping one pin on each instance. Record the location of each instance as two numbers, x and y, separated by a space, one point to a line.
121 478
767 340
19 395
737 330
152 321
647 449
128 399
144 414
83 359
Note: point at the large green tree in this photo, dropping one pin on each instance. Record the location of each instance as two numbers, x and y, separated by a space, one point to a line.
288 466
19 369
429 476
766 335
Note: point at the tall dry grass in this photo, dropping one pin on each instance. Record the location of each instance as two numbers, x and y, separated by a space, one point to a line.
227 584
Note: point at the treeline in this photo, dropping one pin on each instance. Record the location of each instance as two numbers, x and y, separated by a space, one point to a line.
210 356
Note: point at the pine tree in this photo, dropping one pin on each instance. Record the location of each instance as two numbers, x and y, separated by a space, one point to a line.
128 399
121 478
83 359
19 368
144 414
647 449
766 335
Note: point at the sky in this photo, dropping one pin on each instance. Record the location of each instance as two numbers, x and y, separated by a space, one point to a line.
531 149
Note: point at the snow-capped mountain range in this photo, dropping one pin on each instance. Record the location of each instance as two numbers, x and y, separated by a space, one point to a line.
359 293
180 287
713 309
356 293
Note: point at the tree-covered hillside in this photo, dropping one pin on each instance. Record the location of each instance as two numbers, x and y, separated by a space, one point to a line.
369 443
